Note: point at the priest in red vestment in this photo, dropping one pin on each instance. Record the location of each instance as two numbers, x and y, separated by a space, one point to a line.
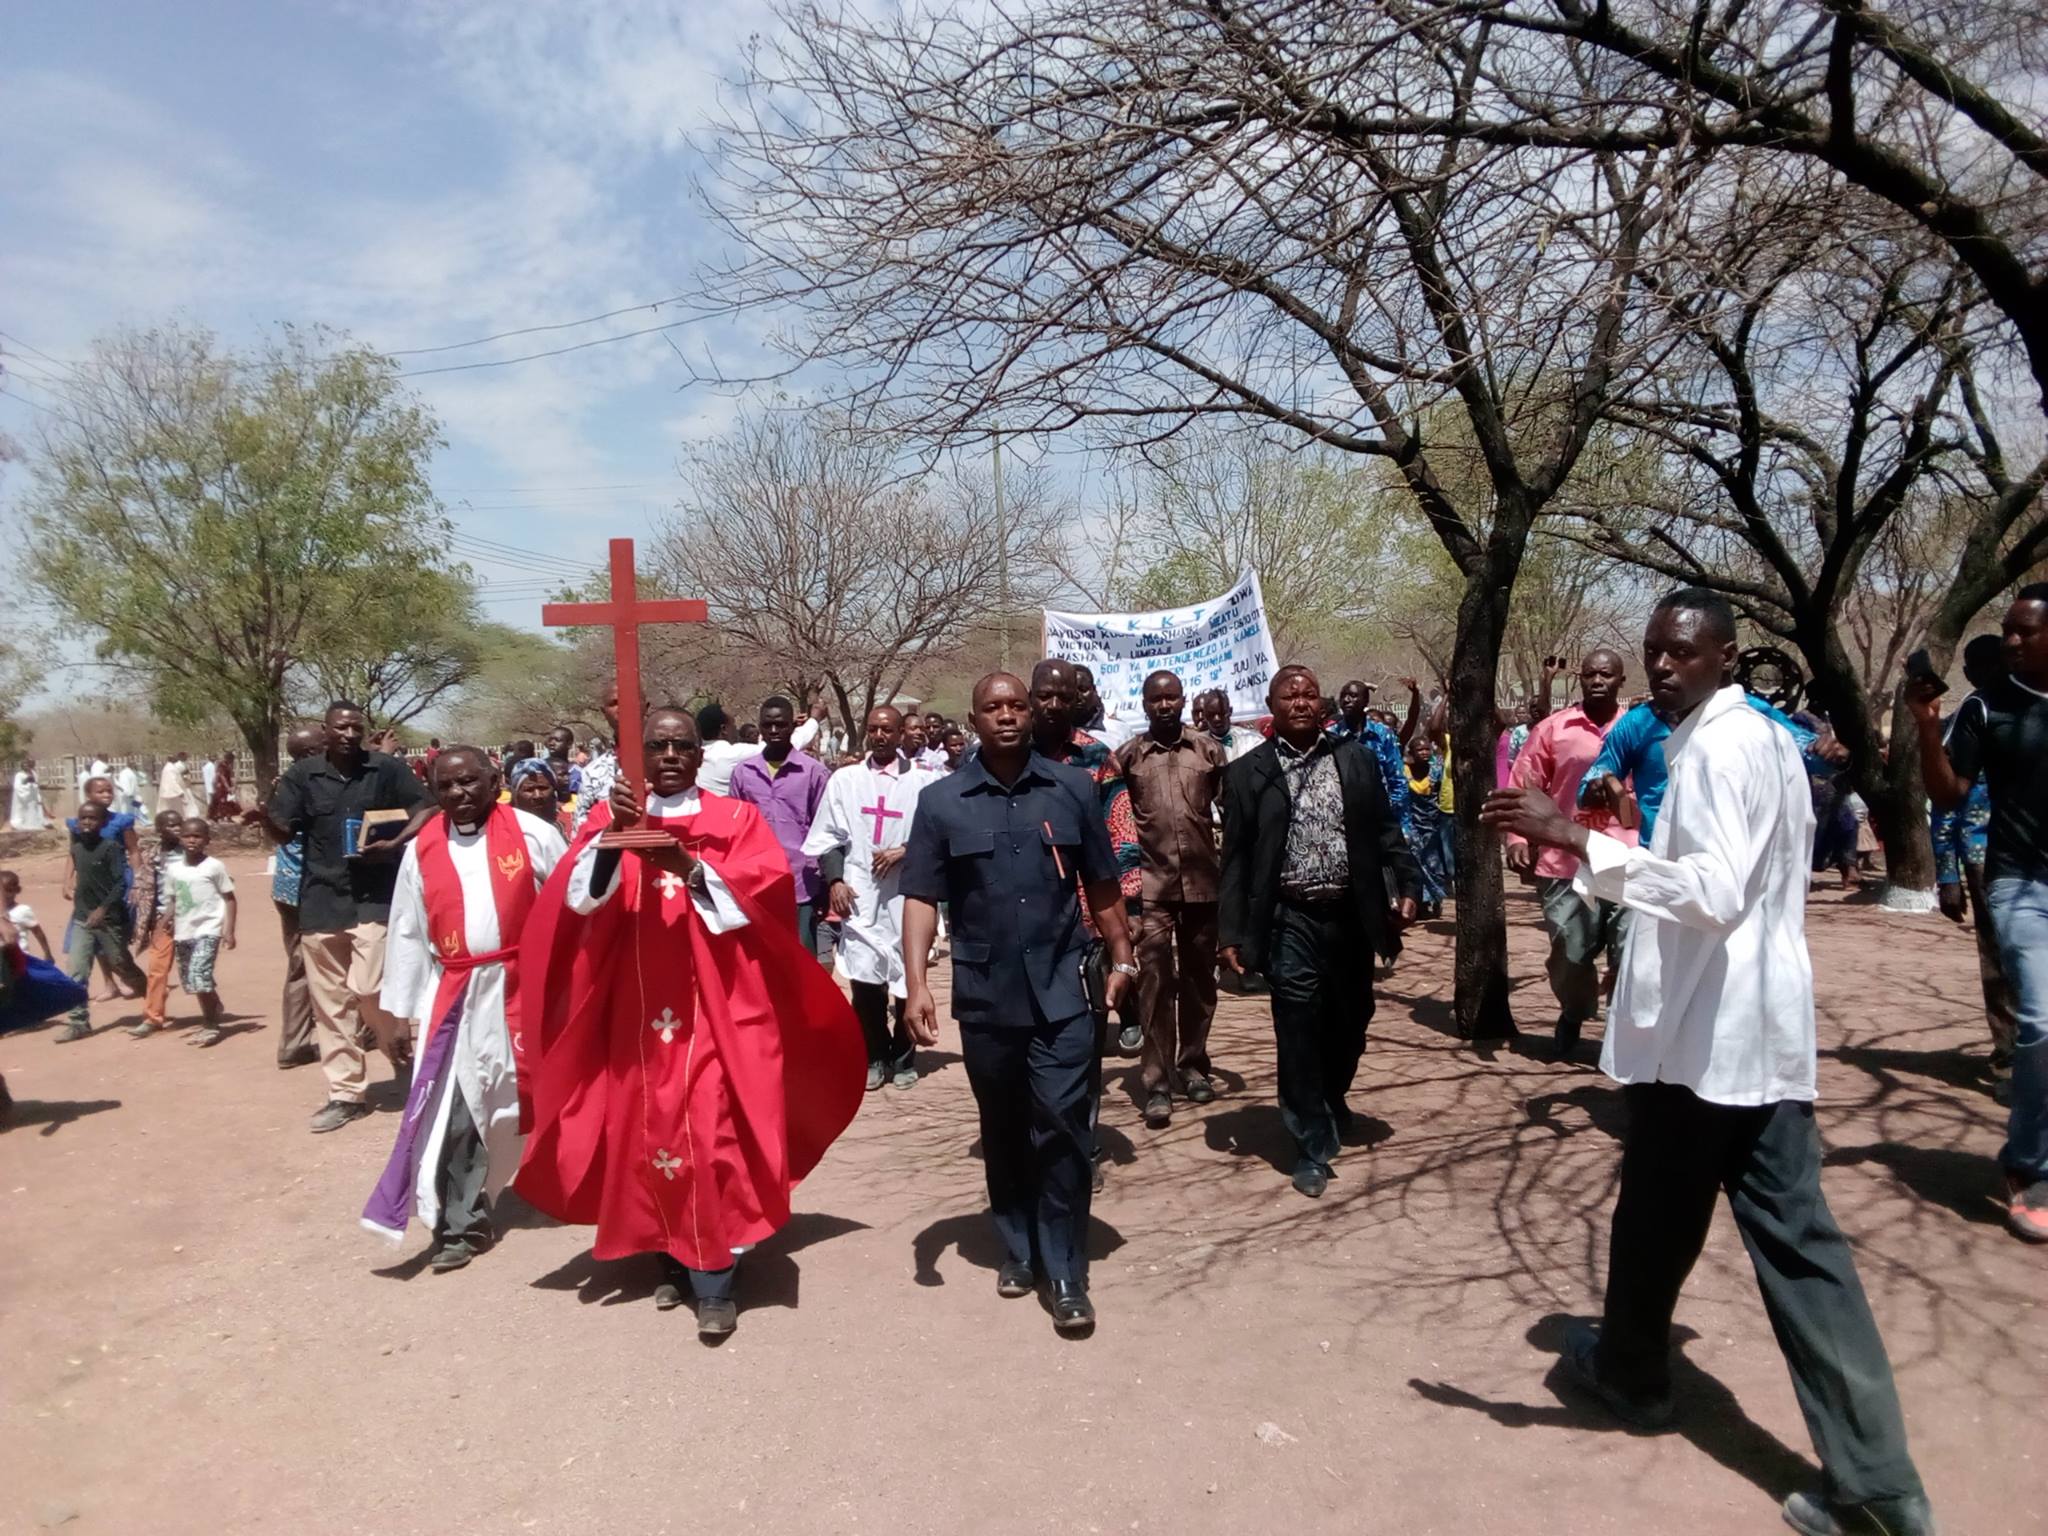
688 1066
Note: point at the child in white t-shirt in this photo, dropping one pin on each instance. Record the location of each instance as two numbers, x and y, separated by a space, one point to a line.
203 921
20 913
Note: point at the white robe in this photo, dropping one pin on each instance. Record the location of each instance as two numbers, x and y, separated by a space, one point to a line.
174 794
482 1068
715 904
26 813
128 790
870 941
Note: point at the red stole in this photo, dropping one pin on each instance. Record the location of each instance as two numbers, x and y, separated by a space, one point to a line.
513 890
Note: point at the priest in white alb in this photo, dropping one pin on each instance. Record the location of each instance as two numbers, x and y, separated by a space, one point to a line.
465 888
859 837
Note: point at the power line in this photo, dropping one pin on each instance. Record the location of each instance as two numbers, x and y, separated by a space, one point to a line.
528 357
39 352
527 330
547 490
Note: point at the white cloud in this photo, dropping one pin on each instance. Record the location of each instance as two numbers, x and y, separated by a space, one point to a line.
546 182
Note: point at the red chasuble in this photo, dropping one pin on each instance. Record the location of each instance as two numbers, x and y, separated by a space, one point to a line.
683 1080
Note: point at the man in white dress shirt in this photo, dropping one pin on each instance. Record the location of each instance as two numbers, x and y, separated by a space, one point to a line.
450 965
1711 1030
721 752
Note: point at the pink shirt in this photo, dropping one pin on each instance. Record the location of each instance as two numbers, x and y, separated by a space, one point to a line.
1560 748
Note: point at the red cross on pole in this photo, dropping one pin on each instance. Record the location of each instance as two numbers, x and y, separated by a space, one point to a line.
624 615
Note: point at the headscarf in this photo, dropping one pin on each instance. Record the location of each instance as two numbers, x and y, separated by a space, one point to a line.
527 767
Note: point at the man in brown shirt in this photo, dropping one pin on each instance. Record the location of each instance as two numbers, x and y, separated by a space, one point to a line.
1174 776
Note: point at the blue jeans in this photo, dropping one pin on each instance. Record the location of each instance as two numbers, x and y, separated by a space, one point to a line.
2019 914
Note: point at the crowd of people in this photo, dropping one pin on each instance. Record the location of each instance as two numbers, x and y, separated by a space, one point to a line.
620 992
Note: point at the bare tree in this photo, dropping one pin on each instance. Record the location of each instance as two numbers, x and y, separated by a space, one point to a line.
822 560
1818 400
1929 107
1209 505
1145 214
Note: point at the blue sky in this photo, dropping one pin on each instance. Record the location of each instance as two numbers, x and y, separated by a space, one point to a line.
414 174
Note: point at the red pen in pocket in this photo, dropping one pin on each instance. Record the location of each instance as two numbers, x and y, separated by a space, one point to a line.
1058 863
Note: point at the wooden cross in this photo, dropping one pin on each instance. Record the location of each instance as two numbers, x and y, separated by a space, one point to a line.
624 615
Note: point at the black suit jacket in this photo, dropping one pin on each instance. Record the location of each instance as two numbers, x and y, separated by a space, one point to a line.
1256 813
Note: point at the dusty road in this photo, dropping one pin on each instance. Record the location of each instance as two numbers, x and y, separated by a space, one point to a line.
198 1338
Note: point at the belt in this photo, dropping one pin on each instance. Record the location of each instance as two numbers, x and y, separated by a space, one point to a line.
1316 898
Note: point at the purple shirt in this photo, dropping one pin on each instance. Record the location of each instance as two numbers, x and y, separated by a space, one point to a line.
788 799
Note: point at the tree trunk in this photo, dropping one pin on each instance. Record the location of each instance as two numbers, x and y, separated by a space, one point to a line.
1479 1007
1890 789
260 733
1898 811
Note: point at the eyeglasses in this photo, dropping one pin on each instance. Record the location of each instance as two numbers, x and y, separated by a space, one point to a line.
672 744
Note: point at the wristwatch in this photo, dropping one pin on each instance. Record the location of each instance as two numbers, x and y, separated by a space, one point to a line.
1124 970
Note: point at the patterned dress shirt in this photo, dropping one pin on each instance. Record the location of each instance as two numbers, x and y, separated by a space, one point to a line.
1317 864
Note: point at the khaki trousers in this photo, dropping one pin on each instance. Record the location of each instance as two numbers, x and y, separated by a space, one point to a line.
295 1013
1176 992
156 996
344 973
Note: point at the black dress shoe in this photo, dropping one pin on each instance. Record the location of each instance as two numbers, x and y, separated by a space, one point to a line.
1812 1515
1564 1044
1158 1112
1015 1279
1073 1314
716 1317
1200 1090
1311 1178
1582 1364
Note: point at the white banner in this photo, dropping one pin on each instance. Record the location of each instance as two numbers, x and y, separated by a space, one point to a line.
1223 644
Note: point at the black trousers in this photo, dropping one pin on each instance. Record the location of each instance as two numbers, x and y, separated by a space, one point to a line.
1679 1153
465 1211
1036 1088
1322 1002
705 1284
889 1044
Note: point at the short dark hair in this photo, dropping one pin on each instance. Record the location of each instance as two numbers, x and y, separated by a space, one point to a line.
777 701
347 704
711 720
2032 592
1711 606
460 749
1293 669
678 710
1985 648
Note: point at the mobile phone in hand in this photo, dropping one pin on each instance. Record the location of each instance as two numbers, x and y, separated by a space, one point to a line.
1919 666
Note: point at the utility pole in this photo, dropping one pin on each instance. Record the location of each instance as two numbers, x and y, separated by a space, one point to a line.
1002 555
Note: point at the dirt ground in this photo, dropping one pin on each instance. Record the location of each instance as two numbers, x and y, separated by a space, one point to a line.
199 1338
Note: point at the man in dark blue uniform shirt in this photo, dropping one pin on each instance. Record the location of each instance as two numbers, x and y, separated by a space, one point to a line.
1004 840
